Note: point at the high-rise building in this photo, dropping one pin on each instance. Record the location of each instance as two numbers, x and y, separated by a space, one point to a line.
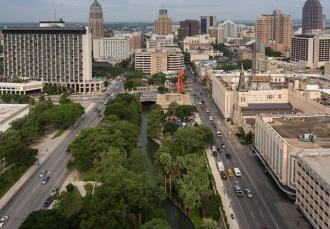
51 53
206 22
96 22
312 17
116 48
275 30
218 33
312 49
151 61
229 29
188 28
163 24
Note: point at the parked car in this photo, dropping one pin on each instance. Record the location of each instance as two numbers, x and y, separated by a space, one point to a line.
54 191
3 220
248 193
223 175
48 202
43 173
223 145
228 156
211 118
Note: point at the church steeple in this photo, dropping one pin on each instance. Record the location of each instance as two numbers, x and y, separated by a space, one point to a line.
242 86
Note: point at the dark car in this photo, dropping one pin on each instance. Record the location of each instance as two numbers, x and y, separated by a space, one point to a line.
48 202
228 156
219 150
223 175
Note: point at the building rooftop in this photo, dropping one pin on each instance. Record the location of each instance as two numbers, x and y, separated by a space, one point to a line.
290 127
320 164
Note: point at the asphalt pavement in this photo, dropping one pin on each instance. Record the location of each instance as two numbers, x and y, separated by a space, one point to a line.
268 208
33 194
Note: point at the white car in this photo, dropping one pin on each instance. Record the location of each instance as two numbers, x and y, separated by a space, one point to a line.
3 220
43 173
207 111
248 193
219 134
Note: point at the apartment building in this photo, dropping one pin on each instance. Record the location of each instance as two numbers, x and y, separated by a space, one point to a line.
52 54
311 49
313 187
151 61
275 29
117 48
160 41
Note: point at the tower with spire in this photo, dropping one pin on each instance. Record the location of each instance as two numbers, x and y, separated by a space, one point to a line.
242 85
96 21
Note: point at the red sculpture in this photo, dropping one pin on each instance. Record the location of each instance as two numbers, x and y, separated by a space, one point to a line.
179 86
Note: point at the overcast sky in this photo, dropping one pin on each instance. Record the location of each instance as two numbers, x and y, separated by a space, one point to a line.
147 10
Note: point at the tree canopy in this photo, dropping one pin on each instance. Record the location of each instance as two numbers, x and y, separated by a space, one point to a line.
41 219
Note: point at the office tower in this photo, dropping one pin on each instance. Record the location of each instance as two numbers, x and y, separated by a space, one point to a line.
229 29
50 53
96 22
206 22
218 33
275 31
311 49
312 17
163 24
188 28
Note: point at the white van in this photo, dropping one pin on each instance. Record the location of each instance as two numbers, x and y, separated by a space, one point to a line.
237 172
211 118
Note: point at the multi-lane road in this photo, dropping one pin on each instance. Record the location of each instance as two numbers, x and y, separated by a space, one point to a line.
268 208
32 194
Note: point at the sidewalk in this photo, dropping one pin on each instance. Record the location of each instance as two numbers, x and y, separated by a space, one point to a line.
219 185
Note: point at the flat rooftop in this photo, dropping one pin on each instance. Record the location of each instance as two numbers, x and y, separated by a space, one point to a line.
290 128
320 164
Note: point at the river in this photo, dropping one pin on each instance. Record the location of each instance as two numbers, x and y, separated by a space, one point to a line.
174 216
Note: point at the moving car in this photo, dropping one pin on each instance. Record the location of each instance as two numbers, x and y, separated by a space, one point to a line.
230 172
207 110
219 134
228 156
238 190
223 145
45 179
220 166
211 118
54 191
214 149
43 173
248 193
237 172
3 220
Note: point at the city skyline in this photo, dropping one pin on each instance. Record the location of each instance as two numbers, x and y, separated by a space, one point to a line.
77 11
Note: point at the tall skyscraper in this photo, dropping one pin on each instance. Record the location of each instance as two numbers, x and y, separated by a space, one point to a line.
312 17
163 24
275 30
206 22
96 22
188 28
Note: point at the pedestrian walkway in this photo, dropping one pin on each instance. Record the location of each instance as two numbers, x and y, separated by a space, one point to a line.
73 179
220 186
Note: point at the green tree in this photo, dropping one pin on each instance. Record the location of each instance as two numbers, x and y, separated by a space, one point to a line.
185 110
270 52
247 64
157 79
71 203
138 162
65 115
222 48
155 117
50 89
209 224
156 223
41 219
211 206
64 99
170 127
